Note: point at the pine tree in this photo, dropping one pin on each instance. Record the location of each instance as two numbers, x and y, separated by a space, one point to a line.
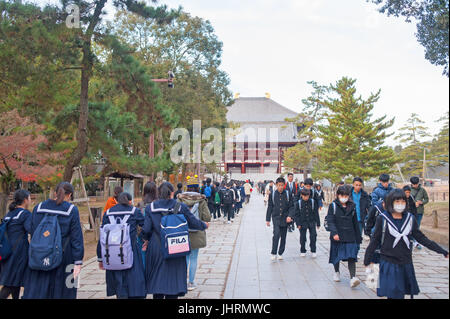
352 142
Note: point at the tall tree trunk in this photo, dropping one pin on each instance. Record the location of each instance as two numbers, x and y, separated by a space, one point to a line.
86 73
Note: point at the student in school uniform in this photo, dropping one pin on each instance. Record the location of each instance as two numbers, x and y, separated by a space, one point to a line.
150 195
293 189
320 194
345 237
280 206
13 269
112 201
238 199
362 201
165 278
306 217
216 211
395 230
53 284
227 201
197 238
127 283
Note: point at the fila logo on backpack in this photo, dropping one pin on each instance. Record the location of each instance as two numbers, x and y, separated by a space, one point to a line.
174 233
46 249
115 242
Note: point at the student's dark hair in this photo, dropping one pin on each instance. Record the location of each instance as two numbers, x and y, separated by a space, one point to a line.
280 180
179 185
164 190
384 178
63 189
305 191
117 191
358 179
406 188
290 174
343 191
394 195
20 196
230 184
150 192
309 181
341 183
414 180
124 198
208 181
217 184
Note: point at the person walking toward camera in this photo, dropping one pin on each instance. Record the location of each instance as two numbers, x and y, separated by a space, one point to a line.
420 196
345 237
395 230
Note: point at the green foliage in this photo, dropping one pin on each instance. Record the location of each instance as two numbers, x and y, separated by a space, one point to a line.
432 18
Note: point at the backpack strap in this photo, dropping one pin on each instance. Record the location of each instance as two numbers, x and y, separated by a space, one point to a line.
334 208
383 232
127 214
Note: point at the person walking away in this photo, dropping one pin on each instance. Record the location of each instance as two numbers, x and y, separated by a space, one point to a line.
165 276
112 201
149 196
178 191
420 196
395 230
216 211
321 195
238 203
210 194
248 191
241 190
227 201
342 223
279 207
268 191
54 220
124 270
17 227
197 238
306 216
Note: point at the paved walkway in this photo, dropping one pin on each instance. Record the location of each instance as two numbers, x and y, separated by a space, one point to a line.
236 264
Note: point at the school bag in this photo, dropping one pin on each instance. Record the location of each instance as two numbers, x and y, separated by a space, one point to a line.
46 249
195 212
6 249
174 233
208 191
325 222
217 198
227 196
115 242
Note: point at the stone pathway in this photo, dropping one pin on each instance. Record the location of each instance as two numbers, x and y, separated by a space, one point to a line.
236 264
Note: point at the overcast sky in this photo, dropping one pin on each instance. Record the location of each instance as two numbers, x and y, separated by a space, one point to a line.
276 46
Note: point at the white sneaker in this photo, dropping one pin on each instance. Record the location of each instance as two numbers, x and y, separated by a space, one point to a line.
314 255
280 257
302 254
273 257
228 222
337 276
191 286
354 282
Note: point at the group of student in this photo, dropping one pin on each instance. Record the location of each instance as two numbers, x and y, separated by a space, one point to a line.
148 249
390 217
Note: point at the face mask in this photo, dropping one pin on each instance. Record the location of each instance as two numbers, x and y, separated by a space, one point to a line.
343 200
399 208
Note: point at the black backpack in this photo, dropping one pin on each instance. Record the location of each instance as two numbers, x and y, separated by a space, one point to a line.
228 196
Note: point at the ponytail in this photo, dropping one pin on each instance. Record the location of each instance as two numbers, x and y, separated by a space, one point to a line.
124 198
20 196
165 189
150 192
63 189
117 191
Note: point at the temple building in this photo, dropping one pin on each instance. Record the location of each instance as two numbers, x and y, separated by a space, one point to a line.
261 122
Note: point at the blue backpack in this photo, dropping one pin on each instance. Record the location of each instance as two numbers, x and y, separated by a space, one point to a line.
208 191
6 249
174 233
46 250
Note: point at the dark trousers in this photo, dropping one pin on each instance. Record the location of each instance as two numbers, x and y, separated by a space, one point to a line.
279 237
212 209
216 213
312 237
228 211
8 290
